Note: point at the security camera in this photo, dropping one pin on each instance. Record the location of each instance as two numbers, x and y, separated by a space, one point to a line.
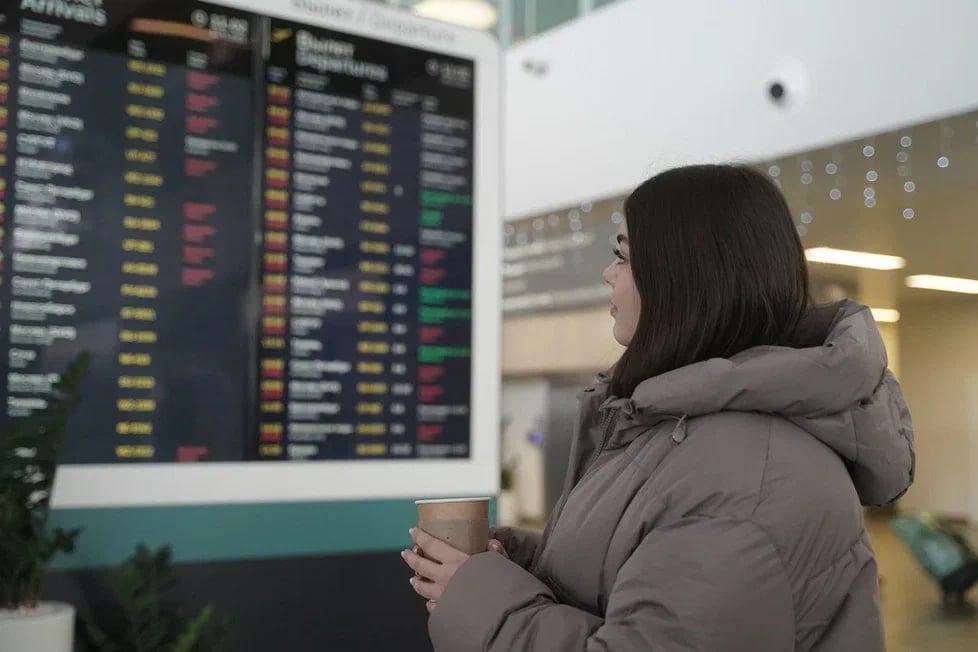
535 67
787 85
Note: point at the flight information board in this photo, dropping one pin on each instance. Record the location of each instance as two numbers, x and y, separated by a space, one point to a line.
260 230
366 265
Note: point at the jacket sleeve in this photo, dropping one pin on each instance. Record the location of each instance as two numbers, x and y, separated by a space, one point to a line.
520 544
703 584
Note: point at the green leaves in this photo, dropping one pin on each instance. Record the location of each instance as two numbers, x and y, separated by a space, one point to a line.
187 642
143 619
98 640
29 452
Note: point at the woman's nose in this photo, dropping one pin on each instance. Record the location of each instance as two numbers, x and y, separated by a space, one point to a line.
608 274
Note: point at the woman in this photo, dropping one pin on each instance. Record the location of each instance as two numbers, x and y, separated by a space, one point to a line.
713 499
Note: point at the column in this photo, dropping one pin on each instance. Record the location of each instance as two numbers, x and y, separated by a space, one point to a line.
5 50
374 289
445 278
143 116
274 273
51 217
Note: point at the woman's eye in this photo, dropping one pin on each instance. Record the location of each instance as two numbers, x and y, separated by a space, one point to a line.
619 256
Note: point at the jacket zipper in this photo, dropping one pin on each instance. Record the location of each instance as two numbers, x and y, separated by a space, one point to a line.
608 423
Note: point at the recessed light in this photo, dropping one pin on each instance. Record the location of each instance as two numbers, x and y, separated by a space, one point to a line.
886 315
866 260
943 283
474 14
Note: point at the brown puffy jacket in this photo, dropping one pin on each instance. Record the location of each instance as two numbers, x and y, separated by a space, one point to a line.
718 509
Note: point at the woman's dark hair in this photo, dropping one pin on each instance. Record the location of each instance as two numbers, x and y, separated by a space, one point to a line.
718 265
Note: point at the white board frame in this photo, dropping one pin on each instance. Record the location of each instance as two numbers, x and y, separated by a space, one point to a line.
117 485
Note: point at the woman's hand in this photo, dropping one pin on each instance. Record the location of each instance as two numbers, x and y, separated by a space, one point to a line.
435 570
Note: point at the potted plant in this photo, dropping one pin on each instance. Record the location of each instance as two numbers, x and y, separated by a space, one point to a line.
142 617
29 451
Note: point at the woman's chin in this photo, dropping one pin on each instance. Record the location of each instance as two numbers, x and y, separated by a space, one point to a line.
624 341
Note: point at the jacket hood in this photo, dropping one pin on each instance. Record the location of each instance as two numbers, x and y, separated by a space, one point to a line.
834 384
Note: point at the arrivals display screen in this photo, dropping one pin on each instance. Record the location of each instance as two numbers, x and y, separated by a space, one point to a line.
127 227
261 230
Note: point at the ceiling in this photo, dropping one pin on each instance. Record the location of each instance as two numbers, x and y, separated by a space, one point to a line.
911 193
523 19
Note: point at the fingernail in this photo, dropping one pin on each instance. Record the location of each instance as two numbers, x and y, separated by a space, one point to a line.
404 554
411 581
411 532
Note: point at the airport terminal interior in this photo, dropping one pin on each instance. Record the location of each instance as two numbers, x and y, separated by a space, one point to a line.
271 271
892 192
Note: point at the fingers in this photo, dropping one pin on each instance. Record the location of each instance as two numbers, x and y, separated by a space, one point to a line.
421 566
416 550
435 548
428 590
496 546
430 606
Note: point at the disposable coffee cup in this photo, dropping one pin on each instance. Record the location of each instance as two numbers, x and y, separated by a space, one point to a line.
463 523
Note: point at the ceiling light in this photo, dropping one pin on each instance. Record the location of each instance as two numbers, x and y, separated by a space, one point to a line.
862 259
943 283
886 315
474 14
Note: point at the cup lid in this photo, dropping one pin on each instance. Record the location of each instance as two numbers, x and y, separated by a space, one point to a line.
453 500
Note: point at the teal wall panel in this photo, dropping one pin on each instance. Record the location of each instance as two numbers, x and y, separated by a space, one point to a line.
222 532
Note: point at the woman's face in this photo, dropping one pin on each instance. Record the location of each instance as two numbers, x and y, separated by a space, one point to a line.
625 302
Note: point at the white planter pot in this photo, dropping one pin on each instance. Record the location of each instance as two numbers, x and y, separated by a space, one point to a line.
507 509
49 627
